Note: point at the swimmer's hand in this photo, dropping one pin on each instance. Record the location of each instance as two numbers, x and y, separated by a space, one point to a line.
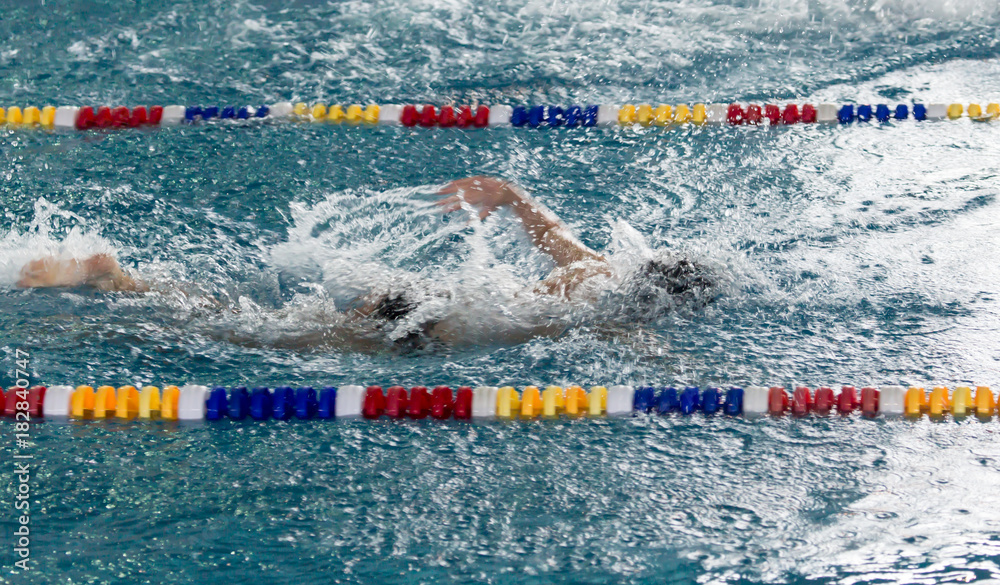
100 271
486 193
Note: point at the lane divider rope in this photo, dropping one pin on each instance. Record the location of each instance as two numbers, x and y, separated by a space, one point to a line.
481 116
198 402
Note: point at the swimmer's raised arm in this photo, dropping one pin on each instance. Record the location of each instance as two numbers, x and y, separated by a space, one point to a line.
544 228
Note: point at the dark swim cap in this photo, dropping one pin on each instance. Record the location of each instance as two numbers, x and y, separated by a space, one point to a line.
659 286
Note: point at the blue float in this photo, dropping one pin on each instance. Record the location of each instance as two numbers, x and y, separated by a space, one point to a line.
536 115
284 402
882 113
262 111
305 402
865 113
689 400
590 116
846 114
644 399
261 403
711 401
239 403
215 406
902 112
192 113
555 117
668 401
210 112
919 112
327 407
228 112
573 116
519 116
734 401
243 113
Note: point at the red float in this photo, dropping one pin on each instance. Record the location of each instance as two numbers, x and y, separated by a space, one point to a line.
790 115
85 118
428 117
103 117
441 402
36 402
801 401
409 117
848 400
120 117
395 402
464 117
772 113
139 117
463 403
420 402
753 115
808 114
777 401
869 401
482 117
735 114
374 404
155 115
447 117
825 400
10 405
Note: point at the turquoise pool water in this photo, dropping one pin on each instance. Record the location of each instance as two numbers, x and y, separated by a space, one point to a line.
860 255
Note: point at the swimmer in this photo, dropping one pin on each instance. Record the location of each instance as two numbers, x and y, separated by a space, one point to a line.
576 266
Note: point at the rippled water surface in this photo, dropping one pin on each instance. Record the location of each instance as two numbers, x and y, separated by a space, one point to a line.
858 255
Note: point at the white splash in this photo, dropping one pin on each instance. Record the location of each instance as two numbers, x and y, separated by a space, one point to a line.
52 232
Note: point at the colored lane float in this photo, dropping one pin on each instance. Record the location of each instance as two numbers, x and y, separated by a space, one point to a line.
482 116
197 402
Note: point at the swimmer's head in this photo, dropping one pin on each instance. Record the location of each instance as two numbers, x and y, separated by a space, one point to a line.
659 286
393 307
395 313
